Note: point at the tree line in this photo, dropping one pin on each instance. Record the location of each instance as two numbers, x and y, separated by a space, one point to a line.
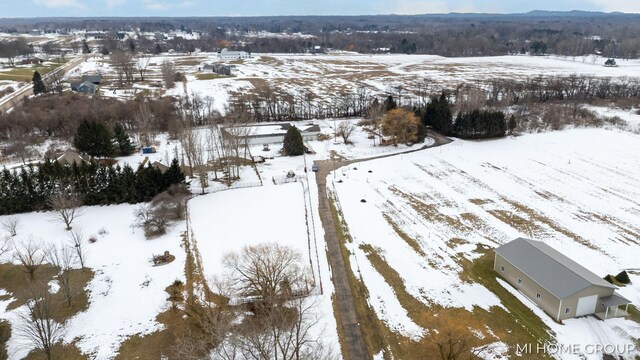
31 188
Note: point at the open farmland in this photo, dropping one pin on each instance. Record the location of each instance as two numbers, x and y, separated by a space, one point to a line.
419 228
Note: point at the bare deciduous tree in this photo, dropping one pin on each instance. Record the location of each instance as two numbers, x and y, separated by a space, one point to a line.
10 225
65 203
77 240
64 259
344 130
36 321
30 255
168 74
142 63
267 271
124 65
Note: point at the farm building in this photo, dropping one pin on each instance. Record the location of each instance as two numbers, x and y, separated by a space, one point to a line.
271 133
561 287
225 54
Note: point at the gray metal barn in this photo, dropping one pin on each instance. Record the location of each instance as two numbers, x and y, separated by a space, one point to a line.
563 288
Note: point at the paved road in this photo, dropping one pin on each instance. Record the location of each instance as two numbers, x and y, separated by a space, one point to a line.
17 96
356 348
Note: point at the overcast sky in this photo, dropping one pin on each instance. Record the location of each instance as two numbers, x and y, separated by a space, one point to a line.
39 8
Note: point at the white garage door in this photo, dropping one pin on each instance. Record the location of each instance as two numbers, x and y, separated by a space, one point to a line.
586 305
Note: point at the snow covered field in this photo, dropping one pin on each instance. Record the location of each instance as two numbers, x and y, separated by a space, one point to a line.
577 190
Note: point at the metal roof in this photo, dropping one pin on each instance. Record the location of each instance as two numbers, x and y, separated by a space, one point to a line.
614 300
555 272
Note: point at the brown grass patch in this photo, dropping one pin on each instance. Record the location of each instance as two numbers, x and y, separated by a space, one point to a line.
481 201
408 239
60 351
13 279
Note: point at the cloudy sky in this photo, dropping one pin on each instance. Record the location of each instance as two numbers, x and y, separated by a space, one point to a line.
37 8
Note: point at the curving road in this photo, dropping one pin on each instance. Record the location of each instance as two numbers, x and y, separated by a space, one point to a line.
356 348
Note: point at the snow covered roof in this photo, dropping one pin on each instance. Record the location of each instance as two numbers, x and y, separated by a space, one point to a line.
552 270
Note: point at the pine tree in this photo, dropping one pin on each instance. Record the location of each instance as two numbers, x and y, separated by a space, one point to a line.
85 47
122 140
38 84
438 115
174 174
93 138
390 104
293 144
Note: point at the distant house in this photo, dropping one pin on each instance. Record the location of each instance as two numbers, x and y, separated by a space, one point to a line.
219 69
270 133
31 61
561 287
70 157
84 87
610 63
95 79
225 54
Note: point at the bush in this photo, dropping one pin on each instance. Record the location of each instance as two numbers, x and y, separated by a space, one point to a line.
623 277
165 208
609 279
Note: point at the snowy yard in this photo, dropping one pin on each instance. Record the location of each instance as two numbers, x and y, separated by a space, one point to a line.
126 293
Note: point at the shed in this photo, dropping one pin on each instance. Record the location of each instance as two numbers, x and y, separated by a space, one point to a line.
560 286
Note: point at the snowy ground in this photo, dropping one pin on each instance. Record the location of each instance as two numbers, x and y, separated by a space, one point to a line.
577 190
126 293
631 116
328 77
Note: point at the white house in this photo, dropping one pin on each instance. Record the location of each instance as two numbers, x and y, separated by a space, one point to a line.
225 54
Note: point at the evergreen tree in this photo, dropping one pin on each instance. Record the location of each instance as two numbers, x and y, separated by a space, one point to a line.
438 115
390 104
85 47
174 174
104 51
38 84
93 138
293 144
122 140
479 124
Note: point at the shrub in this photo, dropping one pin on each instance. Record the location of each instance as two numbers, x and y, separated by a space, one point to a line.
609 279
623 277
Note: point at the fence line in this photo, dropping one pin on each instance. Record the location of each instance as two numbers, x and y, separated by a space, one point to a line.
235 185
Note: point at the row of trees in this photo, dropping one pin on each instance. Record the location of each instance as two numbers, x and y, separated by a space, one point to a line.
33 188
480 124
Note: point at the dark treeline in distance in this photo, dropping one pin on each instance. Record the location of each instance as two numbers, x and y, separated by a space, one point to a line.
563 33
